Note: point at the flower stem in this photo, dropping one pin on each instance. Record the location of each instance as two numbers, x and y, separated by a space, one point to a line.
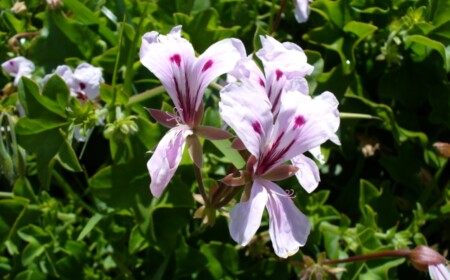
402 253
201 186
278 17
145 95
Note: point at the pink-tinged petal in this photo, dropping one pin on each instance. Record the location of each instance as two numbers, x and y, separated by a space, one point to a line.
317 154
246 70
218 59
439 272
298 84
308 173
246 216
87 80
289 228
166 119
287 57
302 10
313 122
166 158
170 58
248 113
18 67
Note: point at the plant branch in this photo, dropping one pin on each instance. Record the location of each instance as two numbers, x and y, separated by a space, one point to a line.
201 186
402 253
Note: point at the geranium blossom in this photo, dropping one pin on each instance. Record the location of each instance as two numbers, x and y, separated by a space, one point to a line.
84 82
172 60
302 10
439 272
285 67
18 67
302 123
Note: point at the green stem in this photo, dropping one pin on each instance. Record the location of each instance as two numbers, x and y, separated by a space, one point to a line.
145 95
6 194
66 187
278 18
201 186
402 253
344 115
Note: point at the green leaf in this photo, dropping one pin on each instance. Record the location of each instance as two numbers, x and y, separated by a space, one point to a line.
37 106
81 12
231 155
421 46
33 250
67 157
137 241
93 221
56 89
222 259
167 222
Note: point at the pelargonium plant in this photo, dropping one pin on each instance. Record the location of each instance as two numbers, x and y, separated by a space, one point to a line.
272 114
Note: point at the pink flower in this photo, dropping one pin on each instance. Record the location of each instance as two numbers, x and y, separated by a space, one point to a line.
439 272
18 67
302 123
84 82
172 60
285 66
302 10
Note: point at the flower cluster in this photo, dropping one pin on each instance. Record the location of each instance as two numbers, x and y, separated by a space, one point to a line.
270 111
83 83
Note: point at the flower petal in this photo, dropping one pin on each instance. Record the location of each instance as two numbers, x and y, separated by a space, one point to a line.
302 10
289 228
246 216
166 158
313 122
439 272
87 79
308 174
248 112
219 58
246 70
287 57
170 58
18 67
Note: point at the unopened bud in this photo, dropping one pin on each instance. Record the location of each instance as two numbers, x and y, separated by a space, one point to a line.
19 8
422 257
442 149
232 181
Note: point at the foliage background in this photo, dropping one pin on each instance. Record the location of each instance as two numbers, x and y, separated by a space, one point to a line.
84 211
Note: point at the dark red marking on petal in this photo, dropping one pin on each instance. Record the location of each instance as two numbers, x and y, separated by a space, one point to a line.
279 74
11 63
276 101
176 58
299 121
257 127
82 86
81 96
261 82
207 65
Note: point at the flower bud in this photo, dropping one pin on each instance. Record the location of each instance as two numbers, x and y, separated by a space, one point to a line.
423 256
19 8
442 149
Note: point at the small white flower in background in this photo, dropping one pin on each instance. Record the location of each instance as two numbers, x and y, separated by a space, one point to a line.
84 82
439 272
302 10
54 4
18 67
